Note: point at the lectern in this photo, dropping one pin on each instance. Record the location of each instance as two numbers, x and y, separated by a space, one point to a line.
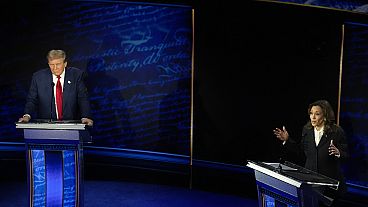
290 185
55 163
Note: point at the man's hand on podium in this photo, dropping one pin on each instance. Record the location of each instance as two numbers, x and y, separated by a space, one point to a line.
87 121
25 118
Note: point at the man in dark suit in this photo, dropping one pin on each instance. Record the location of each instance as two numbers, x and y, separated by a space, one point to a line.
58 92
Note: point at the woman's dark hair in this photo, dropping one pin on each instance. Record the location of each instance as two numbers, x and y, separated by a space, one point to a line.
328 113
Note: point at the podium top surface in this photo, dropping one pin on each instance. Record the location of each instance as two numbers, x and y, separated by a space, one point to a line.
51 126
293 174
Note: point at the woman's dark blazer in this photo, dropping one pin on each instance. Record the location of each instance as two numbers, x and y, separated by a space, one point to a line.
317 158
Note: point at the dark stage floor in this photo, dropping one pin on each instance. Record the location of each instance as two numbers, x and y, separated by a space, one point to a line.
130 194
109 185
113 186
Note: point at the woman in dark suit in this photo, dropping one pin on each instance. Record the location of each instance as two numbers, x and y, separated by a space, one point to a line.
323 144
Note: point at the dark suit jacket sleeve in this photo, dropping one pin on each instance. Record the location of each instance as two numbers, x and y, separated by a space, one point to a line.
83 97
341 143
293 150
32 98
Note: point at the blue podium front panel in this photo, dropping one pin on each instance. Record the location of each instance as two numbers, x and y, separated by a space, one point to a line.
54 175
290 185
70 178
37 178
272 197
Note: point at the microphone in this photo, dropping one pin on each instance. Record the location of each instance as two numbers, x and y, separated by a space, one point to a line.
52 99
279 168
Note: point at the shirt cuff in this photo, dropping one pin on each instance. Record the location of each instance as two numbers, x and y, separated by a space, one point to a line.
27 115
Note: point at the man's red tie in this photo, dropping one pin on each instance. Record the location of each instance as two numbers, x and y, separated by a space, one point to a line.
59 99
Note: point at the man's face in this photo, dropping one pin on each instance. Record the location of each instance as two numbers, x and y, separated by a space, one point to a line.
57 66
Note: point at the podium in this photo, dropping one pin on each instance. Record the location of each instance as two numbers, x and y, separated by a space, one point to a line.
54 153
289 185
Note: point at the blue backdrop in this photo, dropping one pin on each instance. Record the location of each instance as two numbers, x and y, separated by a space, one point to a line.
354 101
355 5
138 58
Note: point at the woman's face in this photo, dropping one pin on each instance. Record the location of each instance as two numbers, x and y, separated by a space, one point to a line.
316 116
